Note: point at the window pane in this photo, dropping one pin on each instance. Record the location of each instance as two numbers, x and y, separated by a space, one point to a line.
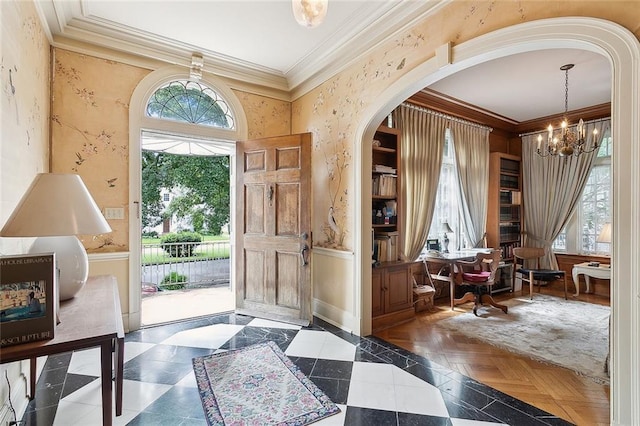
190 102
595 208
446 208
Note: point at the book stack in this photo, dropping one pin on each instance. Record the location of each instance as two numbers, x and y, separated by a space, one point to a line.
386 246
381 168
384 185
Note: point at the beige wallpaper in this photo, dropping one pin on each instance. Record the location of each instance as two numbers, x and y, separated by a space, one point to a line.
90 131
24 134
266 117
333 110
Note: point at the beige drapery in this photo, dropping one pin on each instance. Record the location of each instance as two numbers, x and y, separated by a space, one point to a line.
471 145
552 188
422 145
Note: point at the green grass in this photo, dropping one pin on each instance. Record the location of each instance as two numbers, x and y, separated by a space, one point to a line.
159 256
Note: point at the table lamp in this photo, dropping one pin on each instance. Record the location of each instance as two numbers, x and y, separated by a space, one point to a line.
605 234
445 240
56 208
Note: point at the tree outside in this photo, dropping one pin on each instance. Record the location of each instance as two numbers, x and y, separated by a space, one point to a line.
203 188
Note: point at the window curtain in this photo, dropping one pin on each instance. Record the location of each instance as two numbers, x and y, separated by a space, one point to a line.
552 188
421 148
471 145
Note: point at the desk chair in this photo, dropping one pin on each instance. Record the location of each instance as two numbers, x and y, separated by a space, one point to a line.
522 254
480 274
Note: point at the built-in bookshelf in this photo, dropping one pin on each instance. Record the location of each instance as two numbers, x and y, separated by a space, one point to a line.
385 200
504 213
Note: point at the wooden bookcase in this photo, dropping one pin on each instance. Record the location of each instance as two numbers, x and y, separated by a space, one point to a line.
386 203
504 212
391 278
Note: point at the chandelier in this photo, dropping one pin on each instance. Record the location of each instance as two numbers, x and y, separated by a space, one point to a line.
309 13
565 142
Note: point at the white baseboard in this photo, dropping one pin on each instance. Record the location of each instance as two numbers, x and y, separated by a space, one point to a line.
335 316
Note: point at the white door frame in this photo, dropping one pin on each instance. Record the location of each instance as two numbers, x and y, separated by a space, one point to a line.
138 121
622 49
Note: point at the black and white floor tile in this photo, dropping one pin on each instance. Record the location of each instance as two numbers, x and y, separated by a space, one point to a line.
373 382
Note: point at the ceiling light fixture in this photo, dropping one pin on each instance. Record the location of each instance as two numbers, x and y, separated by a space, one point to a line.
309 13
567 142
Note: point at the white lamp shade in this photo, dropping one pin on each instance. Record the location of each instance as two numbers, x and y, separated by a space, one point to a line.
56 205
605 234
56 208
309 13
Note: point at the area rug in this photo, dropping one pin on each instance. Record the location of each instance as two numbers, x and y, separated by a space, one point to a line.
258 385
567 333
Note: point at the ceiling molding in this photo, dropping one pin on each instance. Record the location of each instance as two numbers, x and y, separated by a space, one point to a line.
313 71
446 104
151 64
589 113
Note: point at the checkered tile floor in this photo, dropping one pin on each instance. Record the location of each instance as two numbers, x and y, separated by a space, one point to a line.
373 382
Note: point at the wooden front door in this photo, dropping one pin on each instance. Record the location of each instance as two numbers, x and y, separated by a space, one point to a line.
273 223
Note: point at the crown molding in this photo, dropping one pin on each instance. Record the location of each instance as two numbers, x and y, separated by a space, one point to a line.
449 105
593 112
313 71
70 26
151 63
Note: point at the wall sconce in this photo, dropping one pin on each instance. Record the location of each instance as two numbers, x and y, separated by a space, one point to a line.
56 208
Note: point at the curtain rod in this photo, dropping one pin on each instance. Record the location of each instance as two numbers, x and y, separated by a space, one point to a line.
447 116
596 120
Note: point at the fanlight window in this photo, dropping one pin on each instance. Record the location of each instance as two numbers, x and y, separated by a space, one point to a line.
190 102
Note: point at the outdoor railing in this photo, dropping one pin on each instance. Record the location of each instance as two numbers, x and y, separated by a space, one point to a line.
171 266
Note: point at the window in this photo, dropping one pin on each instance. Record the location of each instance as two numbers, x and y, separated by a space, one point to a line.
165 197
190 102
446 208
593 210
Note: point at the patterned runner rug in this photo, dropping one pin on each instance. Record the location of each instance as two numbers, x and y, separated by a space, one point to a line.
258 385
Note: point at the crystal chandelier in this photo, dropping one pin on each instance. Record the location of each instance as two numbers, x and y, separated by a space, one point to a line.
565 142
309 13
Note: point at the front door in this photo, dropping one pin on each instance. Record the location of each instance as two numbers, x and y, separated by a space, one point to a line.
273 220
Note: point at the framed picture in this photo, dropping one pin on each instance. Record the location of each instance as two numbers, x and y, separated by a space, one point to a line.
27 298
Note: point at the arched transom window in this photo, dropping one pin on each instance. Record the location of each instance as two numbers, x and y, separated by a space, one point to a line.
190 102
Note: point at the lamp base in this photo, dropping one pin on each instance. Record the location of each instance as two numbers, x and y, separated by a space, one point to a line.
72 262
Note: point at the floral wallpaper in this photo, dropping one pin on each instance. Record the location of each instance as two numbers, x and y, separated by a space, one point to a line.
24 136
24 93
90 133
333 110
266 117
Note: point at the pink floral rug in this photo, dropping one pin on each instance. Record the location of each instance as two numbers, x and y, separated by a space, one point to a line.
258 385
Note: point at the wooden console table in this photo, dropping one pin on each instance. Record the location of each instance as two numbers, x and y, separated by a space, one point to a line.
602 271
92 318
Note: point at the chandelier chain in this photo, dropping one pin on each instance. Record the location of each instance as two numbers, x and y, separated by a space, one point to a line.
566 91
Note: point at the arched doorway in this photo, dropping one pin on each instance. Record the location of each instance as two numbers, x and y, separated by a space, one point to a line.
623 51
140 122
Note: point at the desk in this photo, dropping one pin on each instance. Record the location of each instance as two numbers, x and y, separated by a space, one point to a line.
92 318
603 271
449 259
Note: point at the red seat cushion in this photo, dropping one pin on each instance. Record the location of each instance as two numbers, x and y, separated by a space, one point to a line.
478 277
